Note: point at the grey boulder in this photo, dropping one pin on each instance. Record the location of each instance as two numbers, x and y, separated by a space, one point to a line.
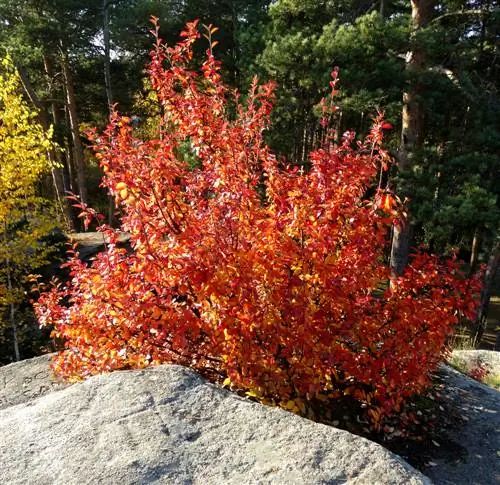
167 425
26 380
468 359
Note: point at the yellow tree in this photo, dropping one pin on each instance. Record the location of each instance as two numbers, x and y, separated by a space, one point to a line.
26 218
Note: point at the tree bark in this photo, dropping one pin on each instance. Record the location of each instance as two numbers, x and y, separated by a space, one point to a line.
235 47
412 132
109 92
57 168
474 251
78 156
489 278
400 249
107 56
383 7
58 122
12 315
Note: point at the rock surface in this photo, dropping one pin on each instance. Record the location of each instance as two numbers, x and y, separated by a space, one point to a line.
478 462
471 358
92 243
26 380
166 425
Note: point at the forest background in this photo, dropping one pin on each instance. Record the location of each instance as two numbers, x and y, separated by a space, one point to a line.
432 67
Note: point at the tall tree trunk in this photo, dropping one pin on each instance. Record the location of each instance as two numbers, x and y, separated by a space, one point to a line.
12 315
107 56
78 156
489 278
384 4
68 150
412 133
109 92
235 48
474 251
58 122
53 155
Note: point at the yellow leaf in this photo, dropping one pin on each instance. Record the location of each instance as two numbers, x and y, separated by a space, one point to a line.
301 405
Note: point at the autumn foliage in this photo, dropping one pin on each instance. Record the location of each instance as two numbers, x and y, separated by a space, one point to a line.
267 277
26 218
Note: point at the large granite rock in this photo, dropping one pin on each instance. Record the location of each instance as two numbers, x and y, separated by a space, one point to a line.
89 244
26 380
468 359
166 425
476 442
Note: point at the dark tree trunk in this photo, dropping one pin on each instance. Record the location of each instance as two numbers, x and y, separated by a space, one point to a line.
78 156
107 56
12 315
235 47
400 249
57 109
474 251
57 168
383 8
489 278
109 91
412 133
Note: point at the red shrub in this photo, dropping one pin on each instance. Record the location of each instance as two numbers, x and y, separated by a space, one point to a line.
479 371
262 273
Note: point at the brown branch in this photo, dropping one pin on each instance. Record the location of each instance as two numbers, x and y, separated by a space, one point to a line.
464 13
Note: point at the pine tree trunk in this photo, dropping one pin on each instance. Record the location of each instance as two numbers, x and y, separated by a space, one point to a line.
61 174
474 251
489 278
235 50
383 8
15 338
400 249
78 156
56 170
12 315
412 133
107 56
109 92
